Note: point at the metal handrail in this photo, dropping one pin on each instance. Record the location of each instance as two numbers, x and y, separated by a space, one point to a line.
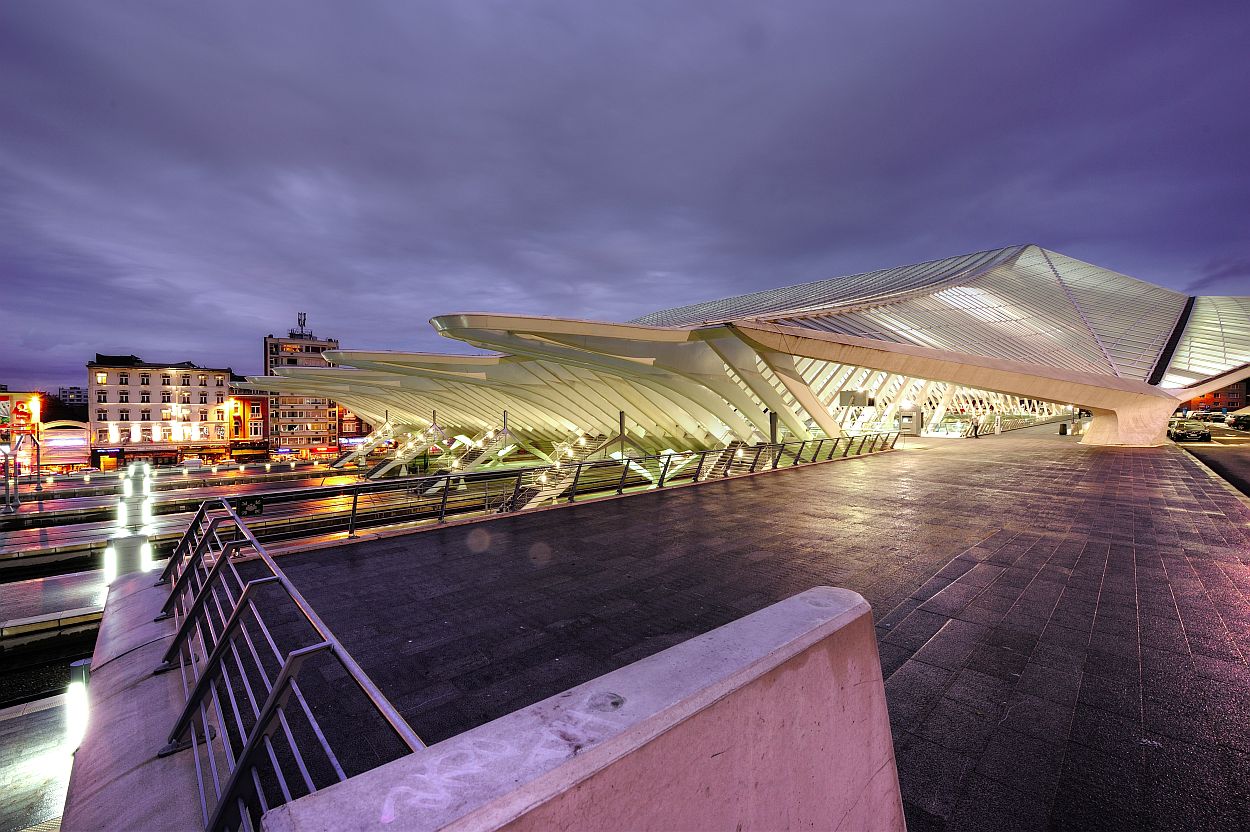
431 496
235 709
212 617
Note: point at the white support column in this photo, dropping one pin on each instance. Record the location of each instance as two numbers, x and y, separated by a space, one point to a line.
783 367
940 413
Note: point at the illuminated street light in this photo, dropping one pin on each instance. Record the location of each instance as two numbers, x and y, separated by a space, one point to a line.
76 704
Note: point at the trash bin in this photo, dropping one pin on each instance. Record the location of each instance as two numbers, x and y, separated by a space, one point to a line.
1063 428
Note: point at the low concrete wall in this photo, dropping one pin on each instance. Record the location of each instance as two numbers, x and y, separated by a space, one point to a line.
117 781
776 721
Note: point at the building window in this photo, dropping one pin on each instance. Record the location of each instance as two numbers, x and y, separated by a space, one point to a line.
203 398
165 414
186 379
184 397
203 415
101 415
166 379
101 378
101 396
203 381
254 430
290 362
166 397
145 415
145 396
123 396
145 379
219 414
220 398
255 411
221 381
123 378
123 415
102 436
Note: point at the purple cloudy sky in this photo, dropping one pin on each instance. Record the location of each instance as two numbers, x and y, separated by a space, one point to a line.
178 179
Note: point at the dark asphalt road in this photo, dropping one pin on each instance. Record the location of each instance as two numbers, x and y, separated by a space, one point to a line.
1227 454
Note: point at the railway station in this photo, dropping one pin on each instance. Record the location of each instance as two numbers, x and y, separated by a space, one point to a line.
940 495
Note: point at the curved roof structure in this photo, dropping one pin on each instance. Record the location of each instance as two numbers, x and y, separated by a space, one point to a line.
1015 328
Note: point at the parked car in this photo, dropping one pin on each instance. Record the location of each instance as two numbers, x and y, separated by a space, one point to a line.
1239 421
1189 431
1201 415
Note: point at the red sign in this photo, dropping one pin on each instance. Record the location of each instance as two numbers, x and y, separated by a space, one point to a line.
21 414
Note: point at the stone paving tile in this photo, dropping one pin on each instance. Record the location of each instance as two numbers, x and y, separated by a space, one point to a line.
1064 630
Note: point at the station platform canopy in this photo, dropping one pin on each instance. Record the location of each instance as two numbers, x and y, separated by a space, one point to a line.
1014 331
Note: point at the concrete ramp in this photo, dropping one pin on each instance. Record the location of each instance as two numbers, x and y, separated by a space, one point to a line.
777 720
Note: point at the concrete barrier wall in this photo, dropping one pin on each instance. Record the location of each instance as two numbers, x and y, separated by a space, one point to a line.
118 782
775 721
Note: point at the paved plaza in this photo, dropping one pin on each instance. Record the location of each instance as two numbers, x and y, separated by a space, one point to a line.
1064 629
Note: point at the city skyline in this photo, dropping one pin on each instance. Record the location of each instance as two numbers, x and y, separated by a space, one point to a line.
378 167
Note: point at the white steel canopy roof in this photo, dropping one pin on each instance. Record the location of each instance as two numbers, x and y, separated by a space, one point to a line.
1020 322
1021 303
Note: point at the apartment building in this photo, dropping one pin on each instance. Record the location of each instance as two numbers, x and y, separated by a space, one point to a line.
156 412
72 396
1226 399
303 426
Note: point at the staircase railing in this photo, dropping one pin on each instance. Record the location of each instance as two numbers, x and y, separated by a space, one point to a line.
244 639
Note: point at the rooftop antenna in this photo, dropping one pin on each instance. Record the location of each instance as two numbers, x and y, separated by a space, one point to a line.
302 319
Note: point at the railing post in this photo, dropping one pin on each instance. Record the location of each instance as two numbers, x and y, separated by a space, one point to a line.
894 441
620 486
816 453
834 449
664 471
577 475
516 493
759 450
442 506
699 466
351 523
850 440
799 456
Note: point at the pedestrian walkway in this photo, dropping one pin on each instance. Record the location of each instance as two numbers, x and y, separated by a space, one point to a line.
34 764
1064 629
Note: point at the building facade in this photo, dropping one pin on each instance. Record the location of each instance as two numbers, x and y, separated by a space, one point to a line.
351 425
306 426
72 396
1225 400
161 413
248 417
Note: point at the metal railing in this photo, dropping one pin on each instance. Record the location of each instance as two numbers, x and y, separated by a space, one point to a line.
1016 421
244 639
508 490
436 497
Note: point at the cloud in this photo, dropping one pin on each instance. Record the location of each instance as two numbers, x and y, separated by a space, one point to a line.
1224 273
177 181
